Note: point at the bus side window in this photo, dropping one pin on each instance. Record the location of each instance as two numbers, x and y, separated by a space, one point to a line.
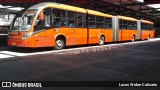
108 23
56 17
125 24
44 18
100 22
59 18
141 25
120 24
47 17
134 25
71 19
79 20
91 21
56 22
40 19
63 21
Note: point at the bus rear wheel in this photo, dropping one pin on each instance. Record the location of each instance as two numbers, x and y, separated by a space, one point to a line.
101 40
133 38
148 37
59 44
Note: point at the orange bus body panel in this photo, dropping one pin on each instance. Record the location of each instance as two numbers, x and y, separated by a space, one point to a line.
17 41
108 34
146 33
128 34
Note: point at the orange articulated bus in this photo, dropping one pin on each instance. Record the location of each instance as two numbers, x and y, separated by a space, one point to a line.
147 28
57 25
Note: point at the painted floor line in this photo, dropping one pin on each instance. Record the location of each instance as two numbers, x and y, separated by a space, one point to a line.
5 56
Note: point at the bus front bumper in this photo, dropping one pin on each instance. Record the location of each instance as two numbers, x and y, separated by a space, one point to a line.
19 43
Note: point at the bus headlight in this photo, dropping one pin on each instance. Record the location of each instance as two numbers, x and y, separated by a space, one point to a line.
25 36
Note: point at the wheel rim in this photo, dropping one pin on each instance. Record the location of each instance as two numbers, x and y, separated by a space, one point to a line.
133 39
148 37
101 40
59 43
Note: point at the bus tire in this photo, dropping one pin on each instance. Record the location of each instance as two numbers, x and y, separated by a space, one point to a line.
101 40
59 44
148 37
133 38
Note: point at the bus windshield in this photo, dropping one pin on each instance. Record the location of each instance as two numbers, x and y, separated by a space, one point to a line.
24 22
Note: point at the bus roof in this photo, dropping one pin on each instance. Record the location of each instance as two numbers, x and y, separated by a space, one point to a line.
92 12
68 7
145 21
40 6
127 18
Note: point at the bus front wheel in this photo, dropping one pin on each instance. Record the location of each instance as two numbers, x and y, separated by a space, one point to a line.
59 44
101 40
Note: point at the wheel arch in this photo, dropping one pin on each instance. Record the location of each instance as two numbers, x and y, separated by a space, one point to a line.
62 36
103 36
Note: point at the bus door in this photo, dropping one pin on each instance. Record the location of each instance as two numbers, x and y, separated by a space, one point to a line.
72 30
81 30
72 33
77 33
40 37
42 29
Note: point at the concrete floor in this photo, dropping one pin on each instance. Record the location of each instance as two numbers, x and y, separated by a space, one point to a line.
138 61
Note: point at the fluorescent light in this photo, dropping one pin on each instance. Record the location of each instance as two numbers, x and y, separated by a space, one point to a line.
140 0
1 6
16 8
154 5
8 6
